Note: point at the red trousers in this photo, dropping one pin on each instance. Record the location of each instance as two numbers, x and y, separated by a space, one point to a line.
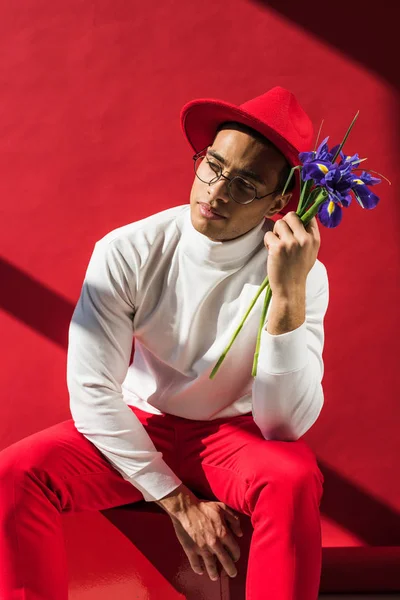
56 470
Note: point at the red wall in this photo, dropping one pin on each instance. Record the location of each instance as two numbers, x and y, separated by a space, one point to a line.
90 94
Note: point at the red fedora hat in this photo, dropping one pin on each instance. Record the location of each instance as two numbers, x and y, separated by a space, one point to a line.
276 114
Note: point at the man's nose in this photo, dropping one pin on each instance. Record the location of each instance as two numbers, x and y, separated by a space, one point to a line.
219 189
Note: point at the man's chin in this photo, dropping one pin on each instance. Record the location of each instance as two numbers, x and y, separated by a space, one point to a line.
205 226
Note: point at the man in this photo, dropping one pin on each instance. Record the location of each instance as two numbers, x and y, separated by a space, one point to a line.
160 429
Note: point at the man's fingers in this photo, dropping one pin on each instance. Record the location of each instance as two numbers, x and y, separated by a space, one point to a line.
291 226
313 229
232 546
195 561
211 541
296 226
225 559
283 230
210 564
234 522
189 547
272 242
312 224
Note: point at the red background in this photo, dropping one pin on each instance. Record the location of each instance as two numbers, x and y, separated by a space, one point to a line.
90 94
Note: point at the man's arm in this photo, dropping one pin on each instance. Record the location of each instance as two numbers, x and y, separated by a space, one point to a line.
287 393
287 312
99 349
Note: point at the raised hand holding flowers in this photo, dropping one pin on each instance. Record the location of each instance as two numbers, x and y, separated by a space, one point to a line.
292 251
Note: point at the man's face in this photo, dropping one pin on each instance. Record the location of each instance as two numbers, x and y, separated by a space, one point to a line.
239 150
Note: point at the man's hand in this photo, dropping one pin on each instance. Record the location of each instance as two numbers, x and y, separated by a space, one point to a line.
292 251
204 529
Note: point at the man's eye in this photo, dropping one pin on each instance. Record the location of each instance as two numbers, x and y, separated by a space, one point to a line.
244 184
214 166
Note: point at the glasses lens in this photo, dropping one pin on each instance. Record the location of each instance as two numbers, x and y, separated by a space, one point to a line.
207 170
242 191
210 171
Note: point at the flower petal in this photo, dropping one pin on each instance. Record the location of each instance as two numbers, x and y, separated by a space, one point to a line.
305 157
330 214
315 170
367 201
333 151
322 149
369 179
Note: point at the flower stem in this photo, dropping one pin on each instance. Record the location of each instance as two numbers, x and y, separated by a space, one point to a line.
345 137
267 299
236 333
313 209
304 196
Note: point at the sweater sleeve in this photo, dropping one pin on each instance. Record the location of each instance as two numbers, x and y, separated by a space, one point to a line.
99 348
287 394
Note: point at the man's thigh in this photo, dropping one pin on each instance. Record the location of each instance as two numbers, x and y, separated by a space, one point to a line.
222 458
74 474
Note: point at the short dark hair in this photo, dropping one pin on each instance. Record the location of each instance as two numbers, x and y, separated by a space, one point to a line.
284 174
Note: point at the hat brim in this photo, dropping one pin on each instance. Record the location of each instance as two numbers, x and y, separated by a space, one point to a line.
200 119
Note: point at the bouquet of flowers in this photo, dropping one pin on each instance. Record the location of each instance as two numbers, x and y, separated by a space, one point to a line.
328 181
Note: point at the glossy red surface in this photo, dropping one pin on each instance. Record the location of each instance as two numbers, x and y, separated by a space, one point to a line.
133 550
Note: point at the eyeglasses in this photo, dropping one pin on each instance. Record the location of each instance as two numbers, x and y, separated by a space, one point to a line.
239 189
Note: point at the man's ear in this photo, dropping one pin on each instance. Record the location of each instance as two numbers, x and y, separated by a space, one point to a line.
278 203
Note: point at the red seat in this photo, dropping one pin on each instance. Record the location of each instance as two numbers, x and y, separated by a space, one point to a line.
134 553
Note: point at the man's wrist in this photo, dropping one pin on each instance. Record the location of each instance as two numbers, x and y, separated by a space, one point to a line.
178 500
287 311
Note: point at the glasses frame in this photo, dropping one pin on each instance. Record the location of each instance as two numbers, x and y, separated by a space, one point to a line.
230 179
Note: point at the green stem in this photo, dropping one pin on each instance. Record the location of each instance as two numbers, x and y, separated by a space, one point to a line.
345 136
267 300
290 177
312 211
236 333
308 201
305 193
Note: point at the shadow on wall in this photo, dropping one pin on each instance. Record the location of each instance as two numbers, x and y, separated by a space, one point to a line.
364 35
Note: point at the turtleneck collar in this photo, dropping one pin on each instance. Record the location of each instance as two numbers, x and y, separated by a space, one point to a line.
230 253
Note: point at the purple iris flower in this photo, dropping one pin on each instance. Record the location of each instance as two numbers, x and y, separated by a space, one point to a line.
338 180
338 186
329 176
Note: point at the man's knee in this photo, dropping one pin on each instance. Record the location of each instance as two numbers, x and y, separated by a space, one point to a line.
25 456
11 476
290 471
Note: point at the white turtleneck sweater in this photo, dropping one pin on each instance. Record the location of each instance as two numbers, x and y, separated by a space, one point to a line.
181 296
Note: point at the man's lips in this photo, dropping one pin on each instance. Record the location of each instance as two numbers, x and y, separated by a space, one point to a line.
208 207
